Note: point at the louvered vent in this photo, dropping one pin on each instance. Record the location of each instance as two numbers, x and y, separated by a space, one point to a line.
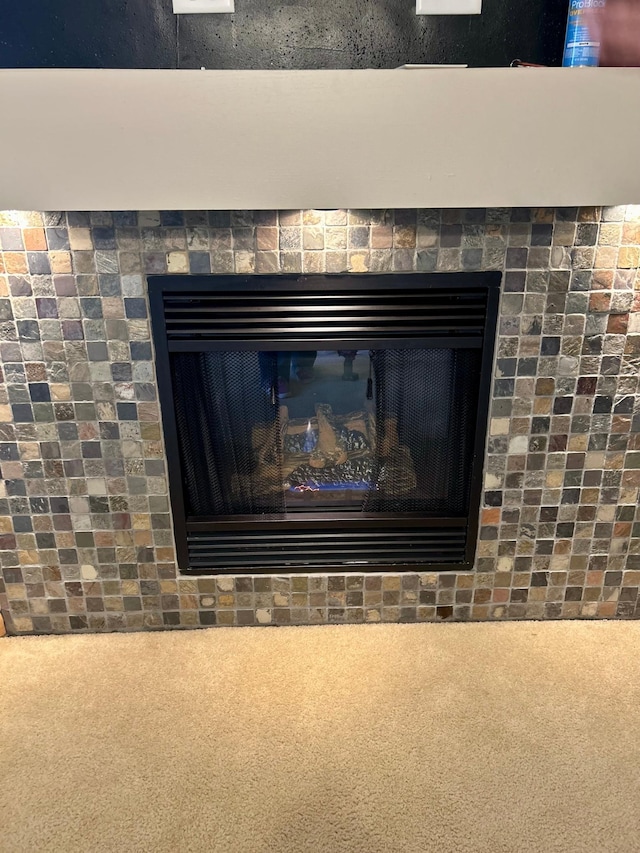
288 316
309 548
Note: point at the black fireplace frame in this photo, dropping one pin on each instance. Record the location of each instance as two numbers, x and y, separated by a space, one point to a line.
321 542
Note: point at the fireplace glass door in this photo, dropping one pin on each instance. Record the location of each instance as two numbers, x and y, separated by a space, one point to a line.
309 452
385 430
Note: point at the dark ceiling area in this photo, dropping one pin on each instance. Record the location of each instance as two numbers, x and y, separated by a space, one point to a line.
271 34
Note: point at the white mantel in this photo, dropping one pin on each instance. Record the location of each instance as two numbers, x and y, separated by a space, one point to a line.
168 139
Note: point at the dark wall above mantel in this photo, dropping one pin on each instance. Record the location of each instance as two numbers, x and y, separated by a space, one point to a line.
276 34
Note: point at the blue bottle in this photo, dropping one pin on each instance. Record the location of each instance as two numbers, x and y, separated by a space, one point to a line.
580 49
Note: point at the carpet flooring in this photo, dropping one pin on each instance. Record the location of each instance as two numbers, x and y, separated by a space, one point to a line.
463 737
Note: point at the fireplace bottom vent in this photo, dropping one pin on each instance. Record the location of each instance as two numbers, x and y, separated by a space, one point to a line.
308 548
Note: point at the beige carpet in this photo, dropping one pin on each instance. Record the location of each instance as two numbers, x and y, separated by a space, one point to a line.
501 737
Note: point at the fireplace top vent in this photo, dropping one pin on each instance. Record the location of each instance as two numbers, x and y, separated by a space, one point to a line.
303 309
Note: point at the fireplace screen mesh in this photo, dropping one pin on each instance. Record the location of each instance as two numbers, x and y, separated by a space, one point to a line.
384 430
222 399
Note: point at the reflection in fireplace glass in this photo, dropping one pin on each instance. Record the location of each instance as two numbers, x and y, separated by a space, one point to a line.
384 430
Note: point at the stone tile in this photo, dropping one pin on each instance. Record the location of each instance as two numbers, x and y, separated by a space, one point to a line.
81 452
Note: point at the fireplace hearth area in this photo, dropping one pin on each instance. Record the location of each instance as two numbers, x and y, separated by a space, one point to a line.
319 422
105 524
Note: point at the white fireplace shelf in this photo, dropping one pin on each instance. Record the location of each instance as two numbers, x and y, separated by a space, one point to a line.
167 139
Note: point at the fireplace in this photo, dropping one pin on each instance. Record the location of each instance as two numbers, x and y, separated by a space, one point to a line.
89 531
317 422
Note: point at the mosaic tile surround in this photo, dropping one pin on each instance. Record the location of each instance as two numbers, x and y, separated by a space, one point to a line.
85 529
